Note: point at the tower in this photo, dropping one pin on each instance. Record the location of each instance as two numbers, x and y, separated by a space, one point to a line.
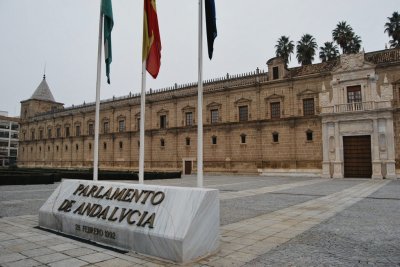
41 101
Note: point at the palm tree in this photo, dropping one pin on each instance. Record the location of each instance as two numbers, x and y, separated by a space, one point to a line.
306 49
328 52
393 29
342 35
284 47
354 45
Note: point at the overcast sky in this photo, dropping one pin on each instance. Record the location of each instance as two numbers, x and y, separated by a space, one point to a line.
64 34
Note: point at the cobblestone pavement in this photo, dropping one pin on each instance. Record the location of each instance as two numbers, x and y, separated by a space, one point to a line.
280 221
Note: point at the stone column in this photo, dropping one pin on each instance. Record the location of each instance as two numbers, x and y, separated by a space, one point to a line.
376 162
325 152
338 164
390 163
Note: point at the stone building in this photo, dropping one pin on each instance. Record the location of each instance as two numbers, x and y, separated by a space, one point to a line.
335 119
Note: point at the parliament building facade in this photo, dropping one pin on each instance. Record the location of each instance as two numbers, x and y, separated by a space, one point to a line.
333 119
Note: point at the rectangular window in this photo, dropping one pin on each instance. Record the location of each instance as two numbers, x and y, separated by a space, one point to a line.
5 134
163 121
4 144
308 106
66 131
243 138
91 129
32 135
309 135
275 110
77 130
214 140
214 115
48 133
354 94
58 132
121 126
189 118
106 127
4 126
243 113
138 123
13 144
40 134
275 137
275 73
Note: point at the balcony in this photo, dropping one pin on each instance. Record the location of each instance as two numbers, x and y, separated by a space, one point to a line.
357 107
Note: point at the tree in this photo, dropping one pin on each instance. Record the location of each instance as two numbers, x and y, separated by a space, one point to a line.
328 52
354 45
392 27
284 47
306 49
345 37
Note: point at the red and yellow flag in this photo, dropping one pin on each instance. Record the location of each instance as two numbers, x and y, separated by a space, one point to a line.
151 38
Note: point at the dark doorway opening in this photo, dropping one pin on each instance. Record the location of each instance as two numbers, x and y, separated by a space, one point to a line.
357 156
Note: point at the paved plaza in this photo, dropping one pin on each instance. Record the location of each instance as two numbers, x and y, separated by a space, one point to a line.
265 221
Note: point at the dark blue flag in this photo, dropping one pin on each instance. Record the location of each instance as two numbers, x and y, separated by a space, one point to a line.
211 25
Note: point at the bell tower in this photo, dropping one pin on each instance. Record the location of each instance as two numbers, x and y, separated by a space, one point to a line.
41 101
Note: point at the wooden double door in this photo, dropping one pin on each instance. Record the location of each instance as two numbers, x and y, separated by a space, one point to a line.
357 156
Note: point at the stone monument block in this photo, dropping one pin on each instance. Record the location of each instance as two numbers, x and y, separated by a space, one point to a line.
173 223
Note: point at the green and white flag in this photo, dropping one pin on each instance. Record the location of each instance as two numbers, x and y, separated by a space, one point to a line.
106 11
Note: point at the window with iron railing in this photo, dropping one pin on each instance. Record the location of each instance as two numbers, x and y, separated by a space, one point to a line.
77 130
189 118
91 129
308 107
121 126
243 113
214 115
163 121
106 127
275 110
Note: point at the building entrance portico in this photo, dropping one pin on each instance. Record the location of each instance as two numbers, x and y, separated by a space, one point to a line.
357 122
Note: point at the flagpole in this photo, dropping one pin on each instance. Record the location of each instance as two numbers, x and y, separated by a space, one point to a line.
142 123
200 102
97 116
